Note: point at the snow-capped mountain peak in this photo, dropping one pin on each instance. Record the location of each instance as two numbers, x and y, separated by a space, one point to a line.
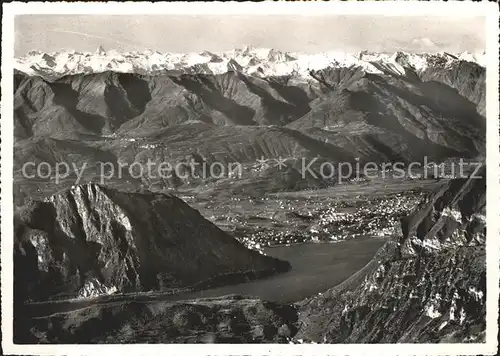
100 51
479 58
251 60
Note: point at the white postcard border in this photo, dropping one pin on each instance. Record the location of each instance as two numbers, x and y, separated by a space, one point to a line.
408 8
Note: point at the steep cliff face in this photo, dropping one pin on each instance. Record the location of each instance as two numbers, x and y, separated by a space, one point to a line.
91 240
429 286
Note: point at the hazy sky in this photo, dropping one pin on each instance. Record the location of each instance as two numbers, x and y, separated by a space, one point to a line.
181 33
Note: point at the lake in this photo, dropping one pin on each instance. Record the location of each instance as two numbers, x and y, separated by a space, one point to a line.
316 267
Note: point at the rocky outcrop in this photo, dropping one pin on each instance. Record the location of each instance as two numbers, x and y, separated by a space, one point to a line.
430 286
91 240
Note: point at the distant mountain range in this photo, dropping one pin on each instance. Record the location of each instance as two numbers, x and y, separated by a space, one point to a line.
399 107
261 62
